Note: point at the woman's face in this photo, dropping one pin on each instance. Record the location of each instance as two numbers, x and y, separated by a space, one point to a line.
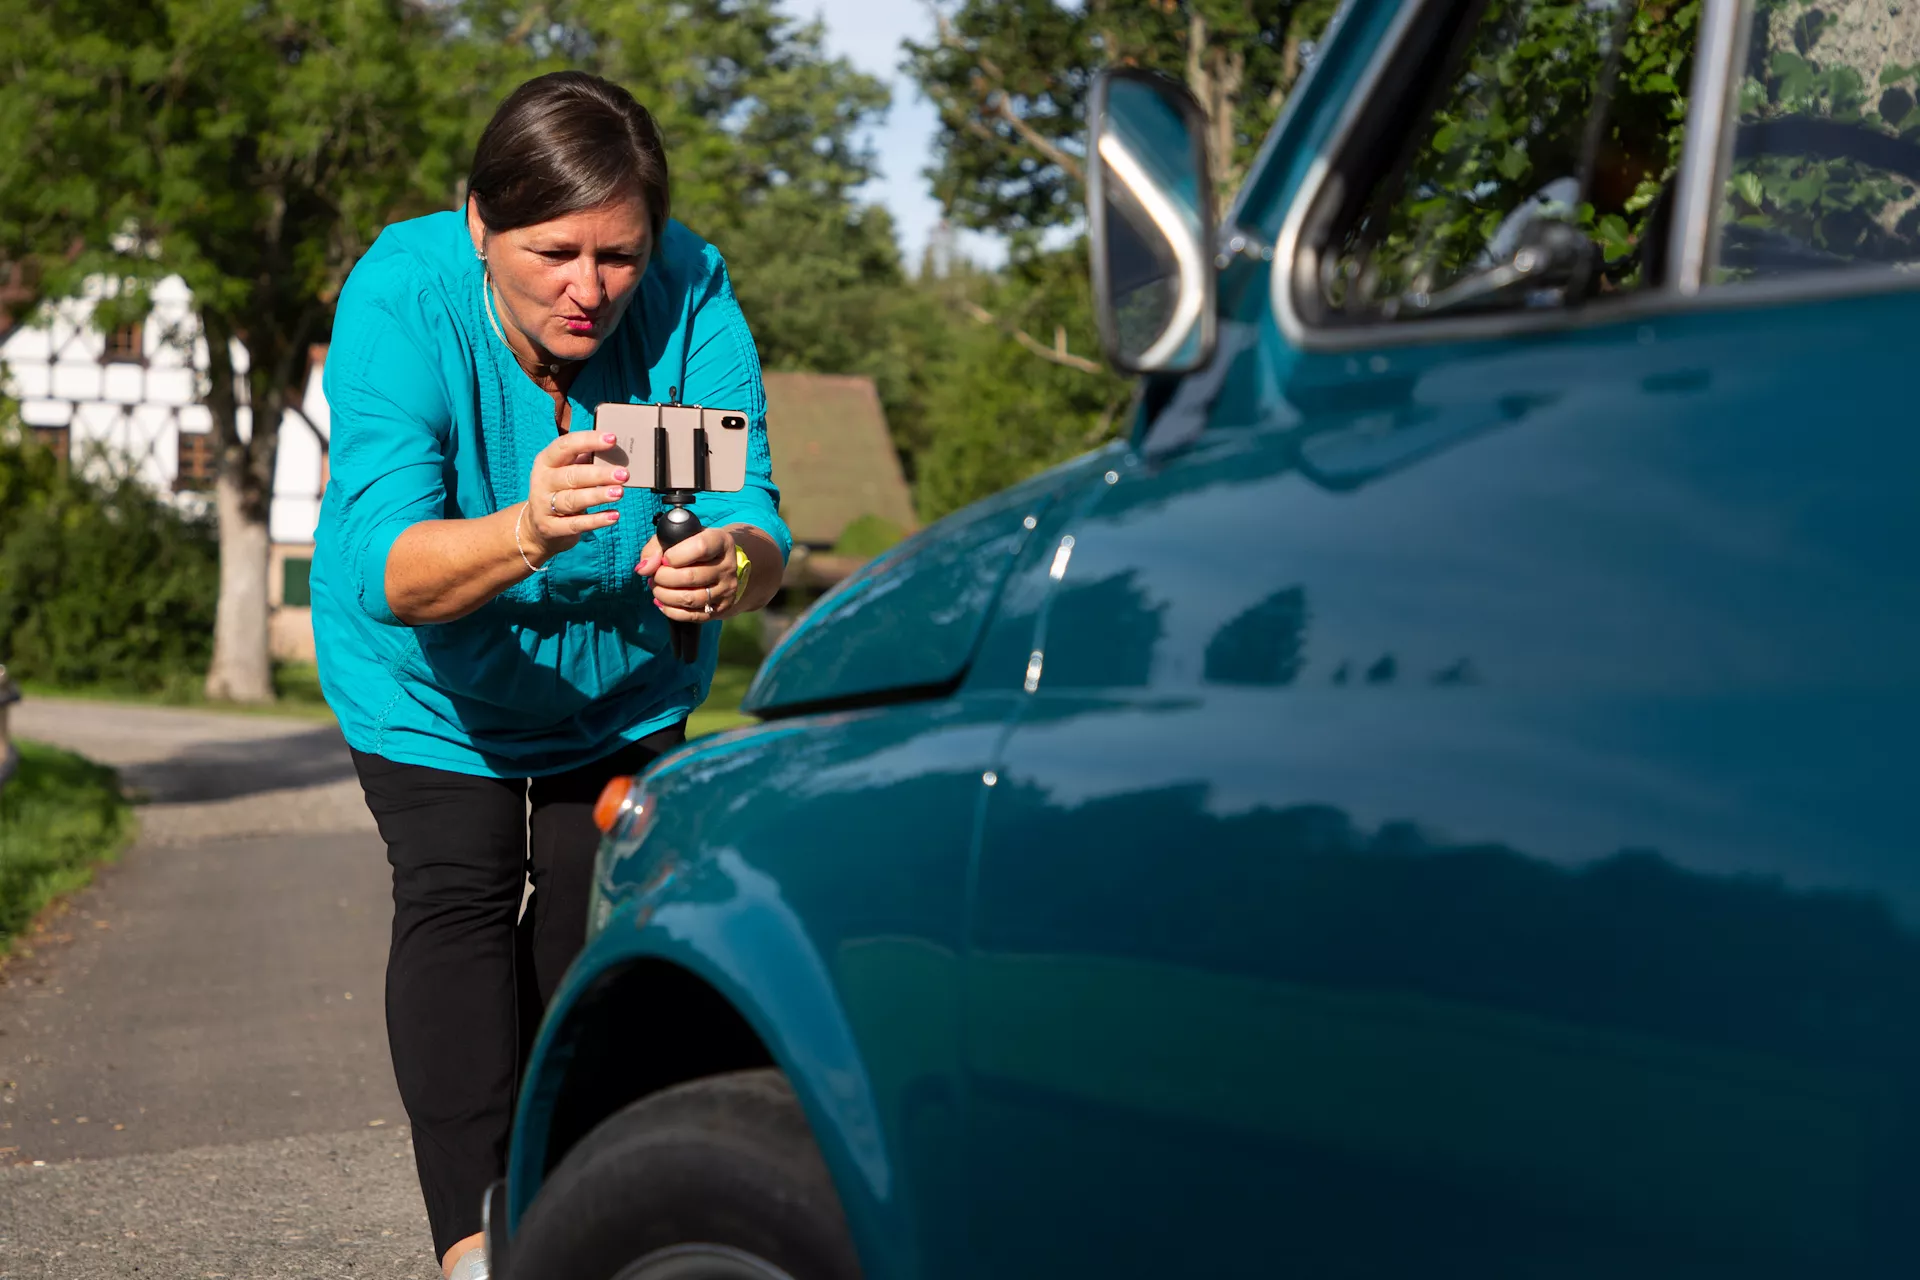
562 286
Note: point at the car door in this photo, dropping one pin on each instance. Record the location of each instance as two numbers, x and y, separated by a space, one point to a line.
1457 822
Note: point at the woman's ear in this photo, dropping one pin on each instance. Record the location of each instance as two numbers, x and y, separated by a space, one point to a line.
477 229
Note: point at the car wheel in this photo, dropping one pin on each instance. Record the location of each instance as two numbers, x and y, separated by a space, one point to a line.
716 1179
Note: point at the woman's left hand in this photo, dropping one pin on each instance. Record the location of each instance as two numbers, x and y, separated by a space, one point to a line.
692 575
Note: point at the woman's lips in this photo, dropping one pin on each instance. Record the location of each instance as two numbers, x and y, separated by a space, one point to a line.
577 324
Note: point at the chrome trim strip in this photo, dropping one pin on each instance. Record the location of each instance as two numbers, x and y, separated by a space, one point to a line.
1708 144
1285 250
1236 211
1286 245
1812 287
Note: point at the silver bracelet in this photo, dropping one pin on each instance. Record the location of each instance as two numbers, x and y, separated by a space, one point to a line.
524 508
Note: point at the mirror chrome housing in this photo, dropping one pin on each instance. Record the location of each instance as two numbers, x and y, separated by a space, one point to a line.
1150 215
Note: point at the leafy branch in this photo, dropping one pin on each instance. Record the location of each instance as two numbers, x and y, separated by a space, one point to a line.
1057 353
989 84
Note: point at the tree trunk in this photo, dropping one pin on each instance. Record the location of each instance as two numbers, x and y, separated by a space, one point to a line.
241 670
1214 75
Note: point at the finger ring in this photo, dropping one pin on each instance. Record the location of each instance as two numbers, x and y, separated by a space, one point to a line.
553 500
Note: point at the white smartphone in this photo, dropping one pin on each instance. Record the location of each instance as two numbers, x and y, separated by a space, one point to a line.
637 432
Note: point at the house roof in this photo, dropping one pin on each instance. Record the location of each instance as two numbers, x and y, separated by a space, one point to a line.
832 456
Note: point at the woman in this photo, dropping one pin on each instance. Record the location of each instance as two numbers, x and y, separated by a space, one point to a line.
491 615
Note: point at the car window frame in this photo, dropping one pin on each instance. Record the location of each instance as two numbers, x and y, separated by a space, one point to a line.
1706 156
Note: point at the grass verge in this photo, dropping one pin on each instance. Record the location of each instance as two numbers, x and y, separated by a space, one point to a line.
60 816
297 693
296 687
721 710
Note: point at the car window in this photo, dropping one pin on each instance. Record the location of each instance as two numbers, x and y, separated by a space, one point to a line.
1537 168
1826 148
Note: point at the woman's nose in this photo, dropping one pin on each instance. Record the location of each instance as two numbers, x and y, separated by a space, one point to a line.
587 289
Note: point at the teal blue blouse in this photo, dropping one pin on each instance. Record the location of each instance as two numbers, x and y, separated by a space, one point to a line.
431 419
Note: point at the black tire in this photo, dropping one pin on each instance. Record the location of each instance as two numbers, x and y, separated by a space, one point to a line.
725 1162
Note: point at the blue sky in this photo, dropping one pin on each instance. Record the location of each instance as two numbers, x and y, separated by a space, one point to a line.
868 34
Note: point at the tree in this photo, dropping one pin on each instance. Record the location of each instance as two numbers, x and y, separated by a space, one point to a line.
993 414
253 149
102 582
1011 79
763 136
763 130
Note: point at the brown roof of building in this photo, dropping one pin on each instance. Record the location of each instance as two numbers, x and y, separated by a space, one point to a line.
832 456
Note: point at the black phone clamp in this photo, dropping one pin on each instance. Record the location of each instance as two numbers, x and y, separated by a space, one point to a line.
675 523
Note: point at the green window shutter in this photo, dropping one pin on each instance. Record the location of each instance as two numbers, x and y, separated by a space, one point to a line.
293 582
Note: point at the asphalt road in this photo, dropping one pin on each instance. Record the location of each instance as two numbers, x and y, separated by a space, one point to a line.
193 1070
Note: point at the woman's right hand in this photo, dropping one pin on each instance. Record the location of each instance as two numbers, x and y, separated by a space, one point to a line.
565 484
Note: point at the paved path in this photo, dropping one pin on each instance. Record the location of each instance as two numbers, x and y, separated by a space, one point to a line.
193 1071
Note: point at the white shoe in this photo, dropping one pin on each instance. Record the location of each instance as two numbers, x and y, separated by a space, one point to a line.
472 1266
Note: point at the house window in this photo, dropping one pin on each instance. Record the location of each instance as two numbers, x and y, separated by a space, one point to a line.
196 469
294 590
125 345
58 439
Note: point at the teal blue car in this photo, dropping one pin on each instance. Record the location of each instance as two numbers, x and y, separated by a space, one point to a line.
1437 799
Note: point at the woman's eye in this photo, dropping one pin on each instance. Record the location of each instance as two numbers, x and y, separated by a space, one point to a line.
556 255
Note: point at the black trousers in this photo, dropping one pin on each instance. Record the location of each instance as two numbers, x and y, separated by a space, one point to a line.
469 974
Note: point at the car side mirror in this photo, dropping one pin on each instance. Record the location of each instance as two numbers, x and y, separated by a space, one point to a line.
1150 208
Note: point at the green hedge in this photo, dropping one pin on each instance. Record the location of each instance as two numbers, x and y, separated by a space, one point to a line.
102 582
59 816
868 536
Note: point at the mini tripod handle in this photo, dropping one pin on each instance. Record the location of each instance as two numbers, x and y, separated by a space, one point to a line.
673 526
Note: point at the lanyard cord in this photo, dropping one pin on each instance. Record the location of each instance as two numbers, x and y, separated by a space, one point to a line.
486 285
493 319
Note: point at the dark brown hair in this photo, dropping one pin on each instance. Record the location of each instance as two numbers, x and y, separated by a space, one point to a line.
565 142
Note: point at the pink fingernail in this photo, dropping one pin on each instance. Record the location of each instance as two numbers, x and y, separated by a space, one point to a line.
607 436
620 474
613 493
612 516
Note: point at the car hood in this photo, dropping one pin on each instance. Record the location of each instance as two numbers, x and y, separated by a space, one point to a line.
907 624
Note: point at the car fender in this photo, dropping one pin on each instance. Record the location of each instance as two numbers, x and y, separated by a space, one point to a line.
723 920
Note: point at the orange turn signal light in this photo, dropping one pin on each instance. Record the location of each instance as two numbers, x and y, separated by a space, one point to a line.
613 798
